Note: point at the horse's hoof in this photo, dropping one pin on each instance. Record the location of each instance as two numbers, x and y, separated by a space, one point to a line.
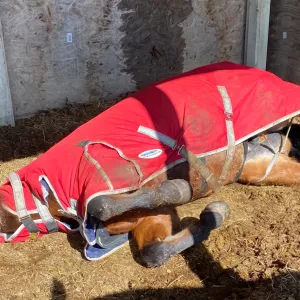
155 255
215 214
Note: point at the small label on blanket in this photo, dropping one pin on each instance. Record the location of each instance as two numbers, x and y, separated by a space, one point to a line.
150 153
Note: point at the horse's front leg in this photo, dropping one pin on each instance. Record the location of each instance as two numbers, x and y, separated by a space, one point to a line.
170 192
157 244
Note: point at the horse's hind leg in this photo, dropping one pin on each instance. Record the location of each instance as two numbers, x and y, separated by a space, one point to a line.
286 170
157 244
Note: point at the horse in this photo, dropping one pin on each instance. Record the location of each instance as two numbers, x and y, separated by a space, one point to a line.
147 209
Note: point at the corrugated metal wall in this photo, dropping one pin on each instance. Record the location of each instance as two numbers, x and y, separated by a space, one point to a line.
284 40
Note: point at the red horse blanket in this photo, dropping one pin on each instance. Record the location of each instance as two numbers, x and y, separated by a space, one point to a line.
123 147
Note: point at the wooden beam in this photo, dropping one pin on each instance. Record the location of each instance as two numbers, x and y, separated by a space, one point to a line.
257 31
6 109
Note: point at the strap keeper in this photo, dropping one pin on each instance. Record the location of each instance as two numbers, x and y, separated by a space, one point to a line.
228 116
179 149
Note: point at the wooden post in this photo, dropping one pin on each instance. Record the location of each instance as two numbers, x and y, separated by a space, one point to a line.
257 31
6 109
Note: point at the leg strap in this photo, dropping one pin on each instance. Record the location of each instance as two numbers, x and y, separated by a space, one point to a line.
200 167
230 132
21 210
192 159
45 215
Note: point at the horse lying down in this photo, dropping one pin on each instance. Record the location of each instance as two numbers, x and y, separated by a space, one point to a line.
122 174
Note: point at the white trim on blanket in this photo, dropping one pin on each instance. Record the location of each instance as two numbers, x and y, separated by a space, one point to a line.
10 237
44 177
105 255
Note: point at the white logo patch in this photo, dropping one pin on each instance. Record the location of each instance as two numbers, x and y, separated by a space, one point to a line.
150 153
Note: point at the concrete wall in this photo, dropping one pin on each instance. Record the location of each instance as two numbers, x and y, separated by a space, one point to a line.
95 50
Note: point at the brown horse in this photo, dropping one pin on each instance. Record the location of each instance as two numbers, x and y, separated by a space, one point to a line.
147 208
145 212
